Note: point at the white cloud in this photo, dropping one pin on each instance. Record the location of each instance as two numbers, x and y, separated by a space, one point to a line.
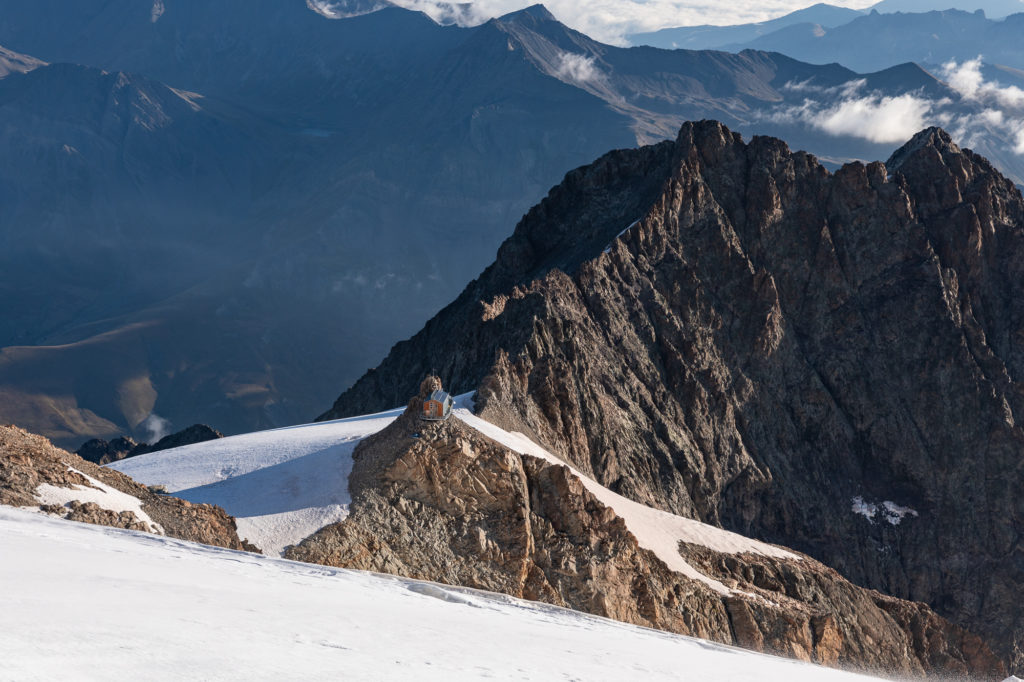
155 427
878 119
463 14
968 80
577 68
802 86
339 9
322 7
611 20
847 89
986 111
1003 106
846 110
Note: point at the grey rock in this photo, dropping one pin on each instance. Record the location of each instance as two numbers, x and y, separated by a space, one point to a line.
768 344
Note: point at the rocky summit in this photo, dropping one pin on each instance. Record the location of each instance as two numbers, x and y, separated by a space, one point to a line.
728 331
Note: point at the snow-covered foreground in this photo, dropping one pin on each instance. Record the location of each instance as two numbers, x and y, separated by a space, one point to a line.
281 485
95 603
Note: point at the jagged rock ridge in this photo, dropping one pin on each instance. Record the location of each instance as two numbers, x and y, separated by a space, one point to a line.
773 348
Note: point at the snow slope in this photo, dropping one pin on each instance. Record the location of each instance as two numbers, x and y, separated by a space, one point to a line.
281 485
285 484
96 603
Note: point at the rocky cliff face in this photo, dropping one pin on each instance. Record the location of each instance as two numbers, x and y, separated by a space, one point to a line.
32 471
440 501
730 332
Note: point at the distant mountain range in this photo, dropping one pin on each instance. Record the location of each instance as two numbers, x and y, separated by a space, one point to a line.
824 34
709 37
877 40
220 211
816 20
993 8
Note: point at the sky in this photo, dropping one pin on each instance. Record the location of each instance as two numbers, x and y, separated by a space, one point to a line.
610 20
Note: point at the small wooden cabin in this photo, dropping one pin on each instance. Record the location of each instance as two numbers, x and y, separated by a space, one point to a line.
437 407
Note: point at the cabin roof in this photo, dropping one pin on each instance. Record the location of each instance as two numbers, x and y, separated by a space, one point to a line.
440 396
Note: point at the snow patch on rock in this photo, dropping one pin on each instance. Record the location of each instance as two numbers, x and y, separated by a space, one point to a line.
888 510
100 493
865 509
894 513
608 249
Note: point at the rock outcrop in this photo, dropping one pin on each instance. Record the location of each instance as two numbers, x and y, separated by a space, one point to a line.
726 330
100 451
440 501
28 461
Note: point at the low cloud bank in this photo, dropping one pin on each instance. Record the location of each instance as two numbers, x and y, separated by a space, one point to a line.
968 80
984 110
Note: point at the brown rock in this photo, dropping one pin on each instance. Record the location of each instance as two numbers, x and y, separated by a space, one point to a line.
27 460
90 512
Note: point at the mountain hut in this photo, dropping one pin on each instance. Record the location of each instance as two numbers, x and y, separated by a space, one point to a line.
437 407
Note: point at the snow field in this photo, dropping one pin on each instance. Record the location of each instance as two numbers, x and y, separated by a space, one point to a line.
281 485
97 603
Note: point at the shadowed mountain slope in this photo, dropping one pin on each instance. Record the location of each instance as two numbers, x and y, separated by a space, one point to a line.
236 207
